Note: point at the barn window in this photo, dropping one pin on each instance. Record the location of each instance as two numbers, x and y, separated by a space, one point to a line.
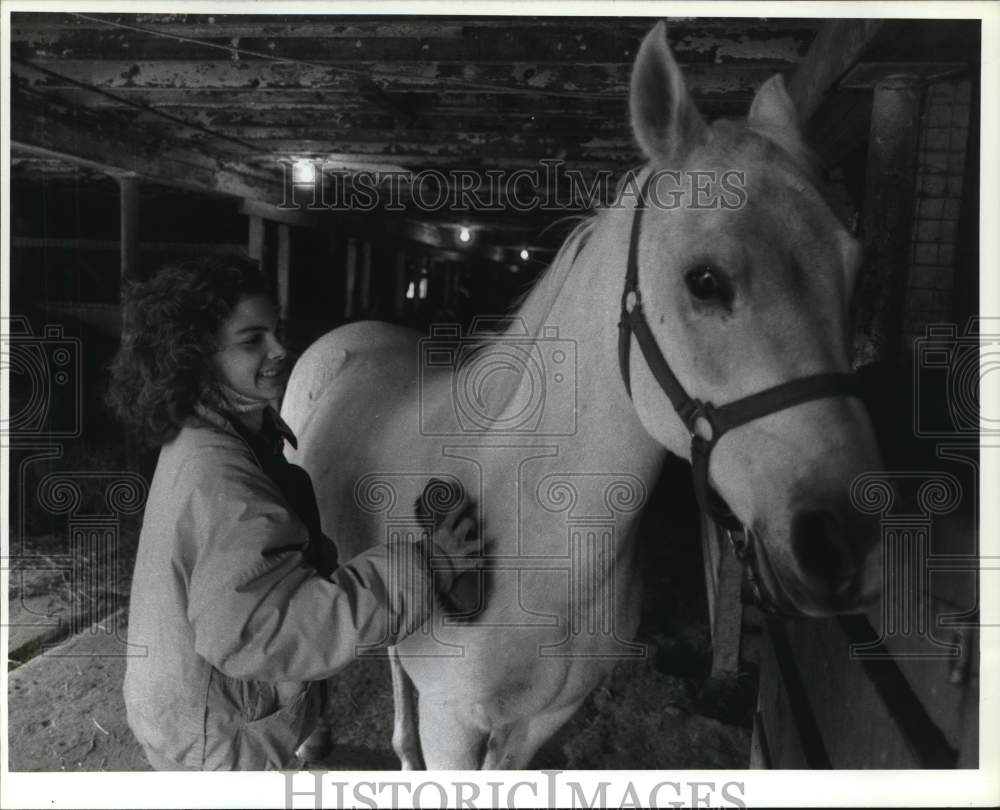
415 291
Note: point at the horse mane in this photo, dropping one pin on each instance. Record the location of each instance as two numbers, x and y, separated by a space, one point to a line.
572 244
547 286
533 304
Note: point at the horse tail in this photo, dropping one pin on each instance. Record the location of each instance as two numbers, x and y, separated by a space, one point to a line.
405 734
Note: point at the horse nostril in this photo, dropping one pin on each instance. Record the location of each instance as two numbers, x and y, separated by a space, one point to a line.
819 546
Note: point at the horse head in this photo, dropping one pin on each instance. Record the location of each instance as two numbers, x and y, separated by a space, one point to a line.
745 276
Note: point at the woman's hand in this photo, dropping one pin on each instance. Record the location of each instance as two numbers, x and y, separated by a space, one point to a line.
455 536
455 546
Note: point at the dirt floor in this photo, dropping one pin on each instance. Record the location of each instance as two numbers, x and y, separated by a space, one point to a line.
66 707
67 714
66 711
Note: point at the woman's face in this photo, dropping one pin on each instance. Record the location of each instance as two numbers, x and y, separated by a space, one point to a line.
250 357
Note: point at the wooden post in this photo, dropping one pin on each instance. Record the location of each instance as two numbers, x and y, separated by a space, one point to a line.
128 186
399 290
332 243
284 271
446 280
255 240
838 45
366 278
350 276
128 205
887 218
967 267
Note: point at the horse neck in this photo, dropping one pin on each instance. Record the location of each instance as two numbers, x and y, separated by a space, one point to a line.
579 298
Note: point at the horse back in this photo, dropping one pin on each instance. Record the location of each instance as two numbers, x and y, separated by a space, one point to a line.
345 399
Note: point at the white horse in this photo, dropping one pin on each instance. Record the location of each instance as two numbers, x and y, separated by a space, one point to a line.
537 425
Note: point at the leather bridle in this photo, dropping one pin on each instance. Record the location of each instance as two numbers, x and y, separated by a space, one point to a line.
705 422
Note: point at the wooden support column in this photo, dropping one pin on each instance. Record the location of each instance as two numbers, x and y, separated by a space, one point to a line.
332 242
350 277
446 273
366 278
838 45
128 186
284 271
887 218
128 206
255 240
399 288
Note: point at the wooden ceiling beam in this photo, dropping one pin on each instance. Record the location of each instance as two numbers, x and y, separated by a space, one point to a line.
286 216
103 146
250 102
849 57
552 134
261 77
838 46
471 161
28 26
615 146
498 241
249 108
515 42
284 122
866 75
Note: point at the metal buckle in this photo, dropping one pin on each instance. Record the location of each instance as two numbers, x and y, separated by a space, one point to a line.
703 412
740 541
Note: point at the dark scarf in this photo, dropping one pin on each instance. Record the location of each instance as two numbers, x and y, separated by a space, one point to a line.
293 481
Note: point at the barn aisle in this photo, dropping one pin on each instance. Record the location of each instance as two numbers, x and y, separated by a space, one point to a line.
67 711
67 714
424 171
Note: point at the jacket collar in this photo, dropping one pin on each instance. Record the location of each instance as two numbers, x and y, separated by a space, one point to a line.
273 423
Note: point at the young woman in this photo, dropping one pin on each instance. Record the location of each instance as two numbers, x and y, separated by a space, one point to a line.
237 596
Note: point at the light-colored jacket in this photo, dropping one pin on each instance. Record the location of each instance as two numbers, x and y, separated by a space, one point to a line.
229 625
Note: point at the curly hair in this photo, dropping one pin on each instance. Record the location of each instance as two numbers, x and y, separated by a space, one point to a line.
169 327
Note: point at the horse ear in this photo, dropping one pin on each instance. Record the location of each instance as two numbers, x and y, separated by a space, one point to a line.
664 119
773 109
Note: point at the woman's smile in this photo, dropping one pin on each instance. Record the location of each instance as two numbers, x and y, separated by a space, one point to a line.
251 360
275 374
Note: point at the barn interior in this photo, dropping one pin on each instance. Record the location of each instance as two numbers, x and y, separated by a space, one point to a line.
142 139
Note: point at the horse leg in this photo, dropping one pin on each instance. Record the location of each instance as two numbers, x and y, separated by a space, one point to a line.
447 738
450 742
512 746
405 737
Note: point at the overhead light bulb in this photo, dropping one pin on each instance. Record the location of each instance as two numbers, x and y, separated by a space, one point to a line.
525 255
465 234
304 171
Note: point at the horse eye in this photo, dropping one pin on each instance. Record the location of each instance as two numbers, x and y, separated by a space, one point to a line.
705 283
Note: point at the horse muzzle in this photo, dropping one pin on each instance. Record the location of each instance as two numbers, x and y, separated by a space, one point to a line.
827 574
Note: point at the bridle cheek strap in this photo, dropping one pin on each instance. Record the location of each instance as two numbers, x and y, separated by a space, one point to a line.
704 422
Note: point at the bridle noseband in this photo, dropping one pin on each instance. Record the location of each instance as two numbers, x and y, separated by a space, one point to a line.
697 415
